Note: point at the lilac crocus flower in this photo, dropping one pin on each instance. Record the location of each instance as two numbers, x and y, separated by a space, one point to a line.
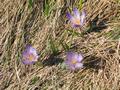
78 19
29 55
73 61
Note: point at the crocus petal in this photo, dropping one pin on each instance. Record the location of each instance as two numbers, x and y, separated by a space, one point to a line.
74 60
30 49
75 25
69 55
78 65
69 65
29 56
79 57
27 62
27 49
76 13
73 55
82 18
69 16
72 68
25 54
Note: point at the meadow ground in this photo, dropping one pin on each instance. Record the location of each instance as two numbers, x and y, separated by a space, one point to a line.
43 24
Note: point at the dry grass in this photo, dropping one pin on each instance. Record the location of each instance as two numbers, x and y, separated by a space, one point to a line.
21 25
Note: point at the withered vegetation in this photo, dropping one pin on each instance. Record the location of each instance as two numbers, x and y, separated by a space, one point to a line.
22 24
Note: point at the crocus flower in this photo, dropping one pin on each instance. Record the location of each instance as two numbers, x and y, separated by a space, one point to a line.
78 19
73 60
29 55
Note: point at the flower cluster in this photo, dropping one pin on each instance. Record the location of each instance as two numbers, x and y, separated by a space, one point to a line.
29 55
78 19
73 60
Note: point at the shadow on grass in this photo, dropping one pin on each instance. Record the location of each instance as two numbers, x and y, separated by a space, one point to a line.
52 60
94 63
96 26
90 62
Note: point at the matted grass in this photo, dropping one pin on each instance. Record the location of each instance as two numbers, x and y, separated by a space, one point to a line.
44 25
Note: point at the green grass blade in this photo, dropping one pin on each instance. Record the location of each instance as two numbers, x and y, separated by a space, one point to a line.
80 4
30 3
53 47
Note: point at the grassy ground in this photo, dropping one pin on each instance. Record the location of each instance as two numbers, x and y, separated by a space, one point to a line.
43 24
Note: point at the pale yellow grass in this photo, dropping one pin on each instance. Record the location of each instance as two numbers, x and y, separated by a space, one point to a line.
20 25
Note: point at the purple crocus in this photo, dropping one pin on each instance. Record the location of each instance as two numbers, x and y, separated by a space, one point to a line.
78 19
73 61
29 55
